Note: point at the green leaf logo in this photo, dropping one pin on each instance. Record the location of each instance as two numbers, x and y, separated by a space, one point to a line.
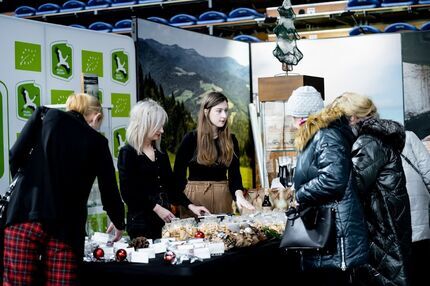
28 57
120 104
119 140
59 96
28 99
92 62
119 66
62 60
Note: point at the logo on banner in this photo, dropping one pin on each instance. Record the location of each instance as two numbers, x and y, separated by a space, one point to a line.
92 62
120 104
119 66
119 140
59 96
28 99
28 57
62 61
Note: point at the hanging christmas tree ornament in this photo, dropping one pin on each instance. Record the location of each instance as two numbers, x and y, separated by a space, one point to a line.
170 257
121 255
286 50
199 234
98 253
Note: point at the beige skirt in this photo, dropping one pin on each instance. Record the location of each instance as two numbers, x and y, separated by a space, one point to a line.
215 196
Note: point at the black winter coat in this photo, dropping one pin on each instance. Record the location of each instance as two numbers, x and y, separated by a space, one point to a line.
382 188
323 176
67 157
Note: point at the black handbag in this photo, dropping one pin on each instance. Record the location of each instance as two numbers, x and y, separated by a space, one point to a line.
311 228
4 199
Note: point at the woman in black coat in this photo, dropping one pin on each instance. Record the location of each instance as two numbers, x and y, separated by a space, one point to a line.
323 177
382 188
47 213
145 174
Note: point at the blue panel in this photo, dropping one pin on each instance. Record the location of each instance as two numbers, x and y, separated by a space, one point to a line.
47 8
362 4
158 20
393 3
210 17
398 27
100 26
243 14
77 26
425 27
98 3
25 11
247 38
116 3
122 26
363 29
183 20
72 5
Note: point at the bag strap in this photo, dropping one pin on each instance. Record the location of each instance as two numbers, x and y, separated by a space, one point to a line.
410 163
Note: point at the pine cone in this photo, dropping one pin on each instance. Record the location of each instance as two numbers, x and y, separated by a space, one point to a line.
139 242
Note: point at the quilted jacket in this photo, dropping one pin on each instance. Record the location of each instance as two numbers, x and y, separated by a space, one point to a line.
323 176
382 187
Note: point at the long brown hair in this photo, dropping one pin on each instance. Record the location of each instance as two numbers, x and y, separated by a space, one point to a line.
207 153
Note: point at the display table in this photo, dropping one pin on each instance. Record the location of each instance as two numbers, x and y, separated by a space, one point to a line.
237 265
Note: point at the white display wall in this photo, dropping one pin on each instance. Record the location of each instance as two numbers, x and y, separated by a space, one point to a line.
370 65
41 64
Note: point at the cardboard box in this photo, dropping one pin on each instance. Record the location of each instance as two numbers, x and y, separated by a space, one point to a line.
281 87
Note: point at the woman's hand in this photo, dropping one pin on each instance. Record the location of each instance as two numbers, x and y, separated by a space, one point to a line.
198 210
241 202
117 233
163 213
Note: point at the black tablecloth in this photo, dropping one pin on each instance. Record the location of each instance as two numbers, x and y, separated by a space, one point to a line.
246 265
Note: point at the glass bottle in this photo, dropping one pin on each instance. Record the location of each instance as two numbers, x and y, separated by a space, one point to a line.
283 175
266 205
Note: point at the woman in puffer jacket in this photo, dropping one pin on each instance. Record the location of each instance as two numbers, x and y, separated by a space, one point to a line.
381 184
323 176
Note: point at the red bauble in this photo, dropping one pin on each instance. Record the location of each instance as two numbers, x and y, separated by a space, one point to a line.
199 234
121 255
98 253
169 257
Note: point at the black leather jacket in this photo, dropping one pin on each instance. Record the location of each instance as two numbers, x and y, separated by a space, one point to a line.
324 177
382 188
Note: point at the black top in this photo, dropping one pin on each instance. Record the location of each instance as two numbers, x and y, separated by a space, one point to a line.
67 156
142 180
187 157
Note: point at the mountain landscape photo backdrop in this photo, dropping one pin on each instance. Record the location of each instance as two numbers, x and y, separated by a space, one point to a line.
179 77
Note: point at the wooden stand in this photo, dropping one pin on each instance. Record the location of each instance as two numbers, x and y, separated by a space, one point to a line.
281 87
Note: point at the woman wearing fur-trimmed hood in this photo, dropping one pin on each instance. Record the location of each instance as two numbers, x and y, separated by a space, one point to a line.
381 184
323 176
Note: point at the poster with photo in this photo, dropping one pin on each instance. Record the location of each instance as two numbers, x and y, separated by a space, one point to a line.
178 68
416 82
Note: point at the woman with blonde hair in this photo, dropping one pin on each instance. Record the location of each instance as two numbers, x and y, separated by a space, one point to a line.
46 216
146 178
88 106
209 153
323 177
381 183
